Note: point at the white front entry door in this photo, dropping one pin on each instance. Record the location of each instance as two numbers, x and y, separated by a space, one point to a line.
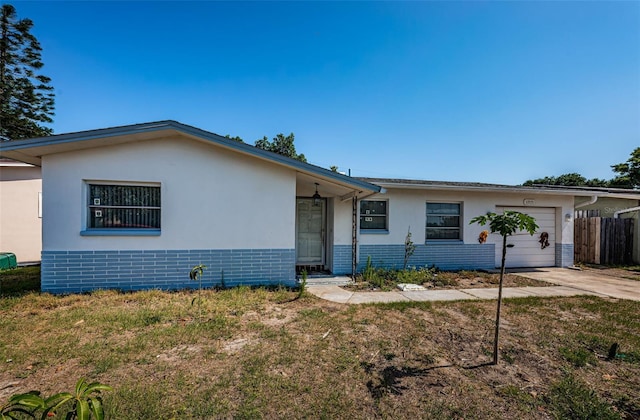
310 232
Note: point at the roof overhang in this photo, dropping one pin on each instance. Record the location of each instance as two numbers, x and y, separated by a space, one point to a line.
511 189
32 150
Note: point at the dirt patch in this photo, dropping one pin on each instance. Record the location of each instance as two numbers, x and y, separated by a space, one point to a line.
178 353
257 354
461 280
235 345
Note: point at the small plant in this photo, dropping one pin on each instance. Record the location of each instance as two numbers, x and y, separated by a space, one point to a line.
196 275
409 248
369 272
86 401
303 284
21 405
84 404
372 275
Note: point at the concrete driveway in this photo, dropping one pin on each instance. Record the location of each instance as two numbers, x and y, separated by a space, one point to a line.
588 280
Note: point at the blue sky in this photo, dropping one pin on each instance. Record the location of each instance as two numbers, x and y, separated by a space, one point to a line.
461 91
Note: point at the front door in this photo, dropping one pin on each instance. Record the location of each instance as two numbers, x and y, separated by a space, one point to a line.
310 232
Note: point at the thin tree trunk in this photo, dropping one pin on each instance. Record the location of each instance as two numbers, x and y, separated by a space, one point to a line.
497 333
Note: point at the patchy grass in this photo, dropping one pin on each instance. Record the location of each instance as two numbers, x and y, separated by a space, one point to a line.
570 398
260 353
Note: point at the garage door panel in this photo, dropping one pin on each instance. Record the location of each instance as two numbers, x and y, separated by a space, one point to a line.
527 251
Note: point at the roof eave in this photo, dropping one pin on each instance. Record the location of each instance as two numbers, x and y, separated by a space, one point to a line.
510 189
17 149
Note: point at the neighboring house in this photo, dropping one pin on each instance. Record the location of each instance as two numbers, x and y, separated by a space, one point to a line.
137 206
606 206
20 210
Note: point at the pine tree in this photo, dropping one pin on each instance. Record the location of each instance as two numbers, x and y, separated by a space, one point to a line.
26 98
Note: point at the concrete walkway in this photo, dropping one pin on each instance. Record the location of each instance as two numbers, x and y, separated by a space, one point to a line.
566 283
588 281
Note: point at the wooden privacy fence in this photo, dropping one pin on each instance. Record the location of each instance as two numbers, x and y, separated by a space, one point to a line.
601 240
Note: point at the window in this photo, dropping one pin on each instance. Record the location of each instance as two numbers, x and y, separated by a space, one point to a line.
443 221
123 207
373 215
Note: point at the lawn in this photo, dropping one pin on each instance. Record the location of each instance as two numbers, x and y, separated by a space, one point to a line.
258 353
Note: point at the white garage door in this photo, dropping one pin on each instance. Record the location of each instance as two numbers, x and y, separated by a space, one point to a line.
527 250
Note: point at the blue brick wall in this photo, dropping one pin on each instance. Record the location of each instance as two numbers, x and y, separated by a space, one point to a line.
342 260
456 256
564 255
81 271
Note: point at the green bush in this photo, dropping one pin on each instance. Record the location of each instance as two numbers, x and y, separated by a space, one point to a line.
388 278
415 275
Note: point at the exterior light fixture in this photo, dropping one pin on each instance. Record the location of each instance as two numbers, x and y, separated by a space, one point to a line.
316 197
567 217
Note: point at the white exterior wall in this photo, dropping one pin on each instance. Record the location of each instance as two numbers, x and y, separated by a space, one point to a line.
342 214
407 208
20 223
211 198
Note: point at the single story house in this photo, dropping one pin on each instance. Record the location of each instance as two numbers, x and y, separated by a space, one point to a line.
21 210
137 206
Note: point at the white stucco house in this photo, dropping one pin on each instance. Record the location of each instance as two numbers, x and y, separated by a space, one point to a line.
137 206
20 210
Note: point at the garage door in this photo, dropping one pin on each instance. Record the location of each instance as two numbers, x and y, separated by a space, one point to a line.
526 250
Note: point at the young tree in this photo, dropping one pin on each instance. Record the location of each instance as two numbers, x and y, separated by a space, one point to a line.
26 98
282 145
505 225
629 172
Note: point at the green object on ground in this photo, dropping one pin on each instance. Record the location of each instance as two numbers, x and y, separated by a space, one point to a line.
7 260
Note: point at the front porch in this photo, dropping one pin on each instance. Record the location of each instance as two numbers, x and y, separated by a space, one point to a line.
326 225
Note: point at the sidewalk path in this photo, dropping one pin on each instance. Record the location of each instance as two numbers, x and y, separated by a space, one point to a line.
340 295
566 283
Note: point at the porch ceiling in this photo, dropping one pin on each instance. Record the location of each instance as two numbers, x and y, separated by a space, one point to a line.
305 187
